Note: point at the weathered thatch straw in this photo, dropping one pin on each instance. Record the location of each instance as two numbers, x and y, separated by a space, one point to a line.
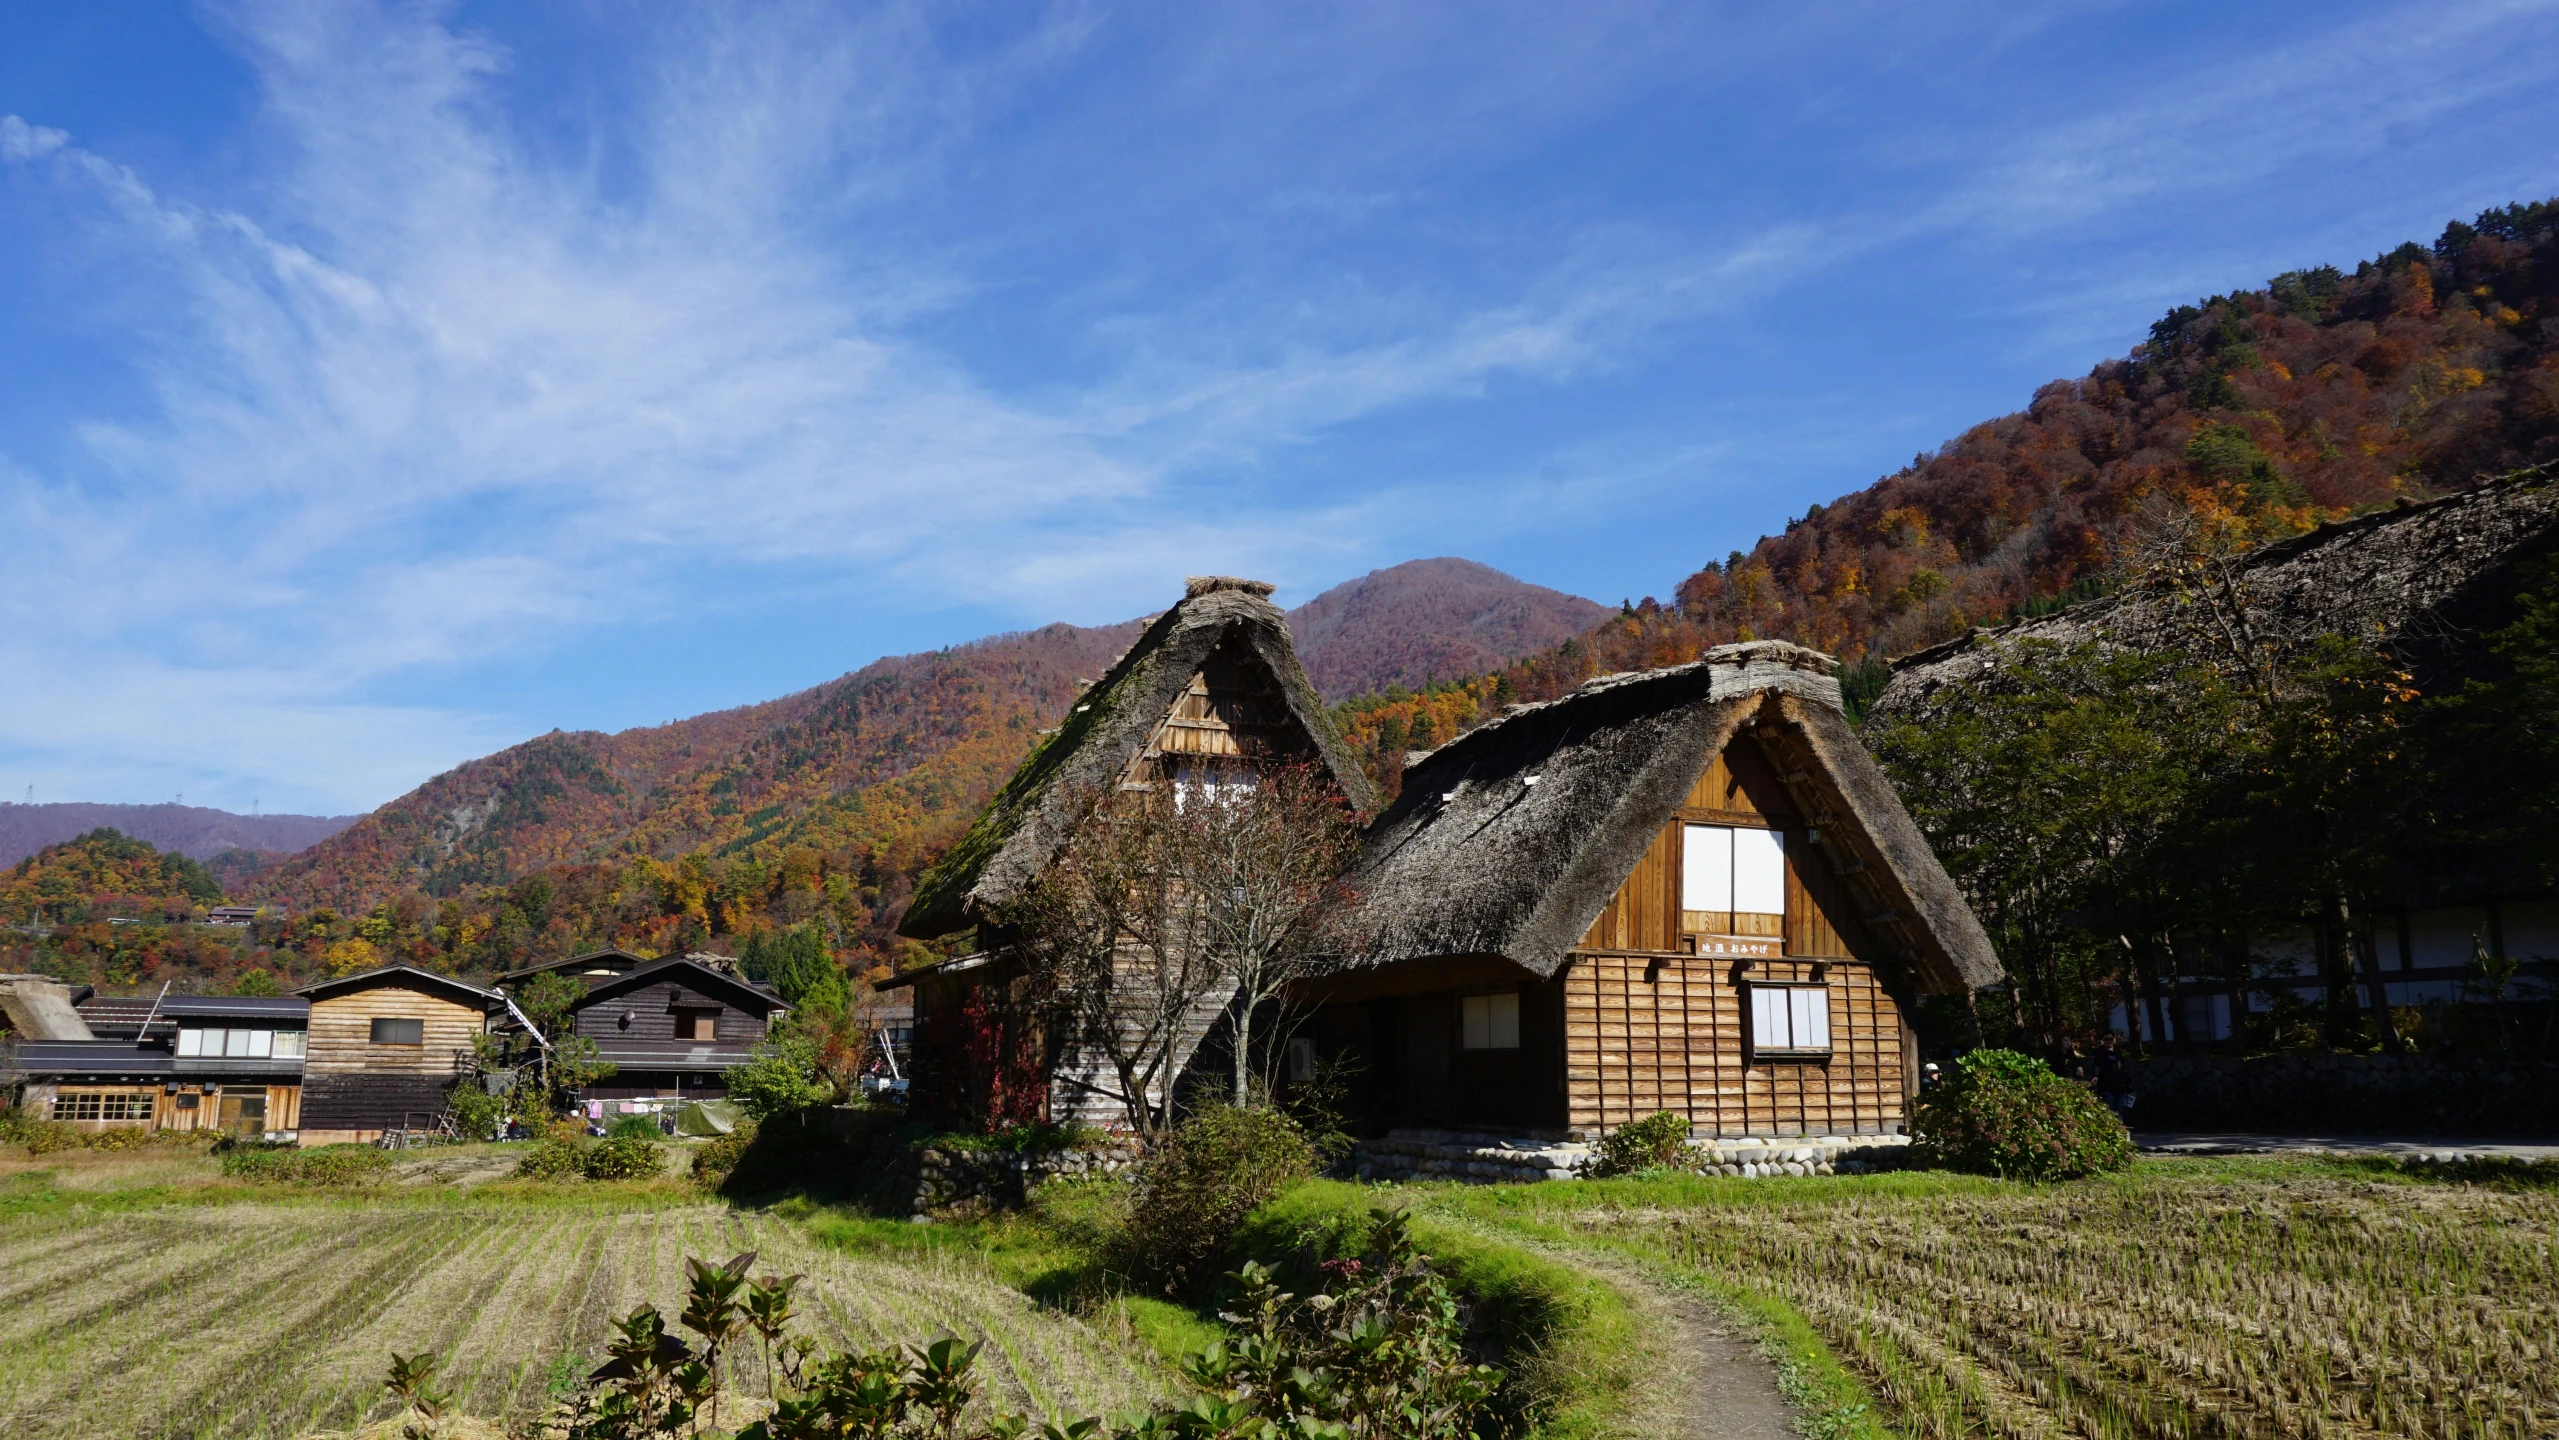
2408 577
1510 840
1108 727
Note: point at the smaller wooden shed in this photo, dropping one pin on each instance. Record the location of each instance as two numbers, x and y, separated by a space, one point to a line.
386 1047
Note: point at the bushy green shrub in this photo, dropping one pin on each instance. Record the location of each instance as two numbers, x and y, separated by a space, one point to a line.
324 1165
475 1111
553 1160
626 1157
1201 1182
639 1126
780 1077
716 1159
21 1126
2007 1114
1659 1141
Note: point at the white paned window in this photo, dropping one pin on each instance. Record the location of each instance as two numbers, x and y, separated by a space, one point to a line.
1706 868
1489 1022
1759 872
239 1044
292 1044
191 1042
1789 1019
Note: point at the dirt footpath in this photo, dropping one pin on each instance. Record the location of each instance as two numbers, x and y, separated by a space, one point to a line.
1722 1387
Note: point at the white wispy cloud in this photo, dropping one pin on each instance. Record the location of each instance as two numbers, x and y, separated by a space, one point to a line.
450 379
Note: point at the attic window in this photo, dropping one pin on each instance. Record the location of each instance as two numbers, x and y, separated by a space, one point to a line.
1789 1022
1732 881
697 1024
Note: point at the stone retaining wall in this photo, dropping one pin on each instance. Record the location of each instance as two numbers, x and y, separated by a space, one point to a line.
2468 1095
962 1180
1487 1159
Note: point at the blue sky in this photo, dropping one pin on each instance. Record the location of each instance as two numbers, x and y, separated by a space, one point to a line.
382 385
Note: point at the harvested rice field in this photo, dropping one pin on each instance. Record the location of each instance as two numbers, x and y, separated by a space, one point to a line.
2201 1303
261 1319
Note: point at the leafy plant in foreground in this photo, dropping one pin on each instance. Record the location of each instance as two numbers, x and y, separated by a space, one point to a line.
1377 1354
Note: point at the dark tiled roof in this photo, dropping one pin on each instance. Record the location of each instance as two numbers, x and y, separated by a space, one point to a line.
109 1059
406 977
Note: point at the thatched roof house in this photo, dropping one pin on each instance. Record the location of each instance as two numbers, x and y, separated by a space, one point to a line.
1214 677
2419 577
1686 889
1511 840
1211 687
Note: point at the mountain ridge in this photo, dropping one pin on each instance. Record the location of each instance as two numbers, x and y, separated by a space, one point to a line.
196 831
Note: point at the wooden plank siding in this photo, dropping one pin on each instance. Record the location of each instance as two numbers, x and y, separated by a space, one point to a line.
1645 1034
342 1033
1649 1026
646 1016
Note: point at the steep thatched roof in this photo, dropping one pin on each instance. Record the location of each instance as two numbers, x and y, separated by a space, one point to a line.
1110 726
1510 840
2417 577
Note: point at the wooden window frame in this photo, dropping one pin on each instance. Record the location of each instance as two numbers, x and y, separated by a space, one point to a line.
1492 1027
1758 1054
374 1033
689 1019
92 1106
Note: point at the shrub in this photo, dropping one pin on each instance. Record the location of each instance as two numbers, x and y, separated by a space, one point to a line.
636 1126
553 1160
715 1159
781 1077
1027 1139
626 1157
2009 1115
1657 1142
1379 1351
325 1165
475 1111
1203 1179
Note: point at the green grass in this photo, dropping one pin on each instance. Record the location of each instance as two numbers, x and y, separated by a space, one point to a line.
2274 1296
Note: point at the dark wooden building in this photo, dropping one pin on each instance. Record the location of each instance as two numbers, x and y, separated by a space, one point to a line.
1686 889
672 1027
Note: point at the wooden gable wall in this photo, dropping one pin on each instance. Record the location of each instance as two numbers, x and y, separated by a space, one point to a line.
647 1013
1651 1025
342 1033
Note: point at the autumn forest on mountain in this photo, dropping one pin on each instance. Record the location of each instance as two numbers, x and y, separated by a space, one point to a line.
2326 393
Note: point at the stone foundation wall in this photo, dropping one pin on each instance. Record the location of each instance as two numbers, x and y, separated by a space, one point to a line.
1488 1160
972 1180
2461 1095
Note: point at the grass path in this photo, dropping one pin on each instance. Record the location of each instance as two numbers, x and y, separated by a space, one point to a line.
276 1319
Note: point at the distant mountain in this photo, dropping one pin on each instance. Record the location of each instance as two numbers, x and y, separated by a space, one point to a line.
870 771
824 802
1427 620
2259 414
188 829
